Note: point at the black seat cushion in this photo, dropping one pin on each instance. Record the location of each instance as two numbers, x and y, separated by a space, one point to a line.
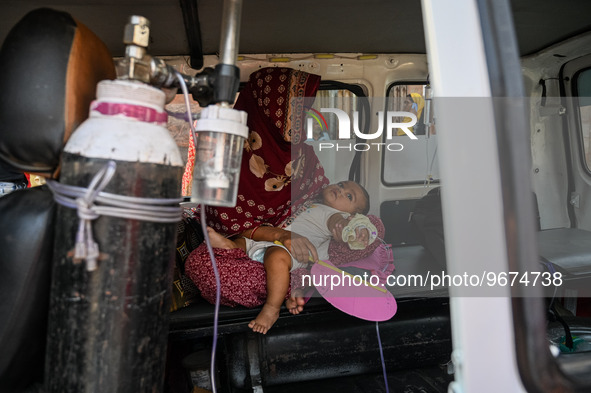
567 249
26 241
49 67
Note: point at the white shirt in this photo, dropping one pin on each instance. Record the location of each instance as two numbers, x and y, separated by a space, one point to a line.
313 224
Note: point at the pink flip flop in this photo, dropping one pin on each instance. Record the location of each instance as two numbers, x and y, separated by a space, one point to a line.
352 294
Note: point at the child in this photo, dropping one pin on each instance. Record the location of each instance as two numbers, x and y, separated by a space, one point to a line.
308 239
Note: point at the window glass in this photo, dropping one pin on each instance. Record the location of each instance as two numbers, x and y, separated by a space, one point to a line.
584 92
417 161
336 163
333 98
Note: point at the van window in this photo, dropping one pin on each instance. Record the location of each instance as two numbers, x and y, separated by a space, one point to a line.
583 85
342 99
417 162
336 162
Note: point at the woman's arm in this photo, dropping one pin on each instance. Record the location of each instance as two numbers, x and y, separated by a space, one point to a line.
264 233
299 246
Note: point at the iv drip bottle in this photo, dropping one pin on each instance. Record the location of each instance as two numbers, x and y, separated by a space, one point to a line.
221 132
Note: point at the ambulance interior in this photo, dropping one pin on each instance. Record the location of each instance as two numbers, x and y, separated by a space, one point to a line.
370 56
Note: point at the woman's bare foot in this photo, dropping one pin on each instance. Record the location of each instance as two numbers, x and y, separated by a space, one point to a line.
266 318
295 304
218 241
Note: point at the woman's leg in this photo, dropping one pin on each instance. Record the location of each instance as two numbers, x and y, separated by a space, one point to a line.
243 281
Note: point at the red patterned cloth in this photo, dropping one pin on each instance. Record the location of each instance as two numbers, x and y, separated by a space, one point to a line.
187 184
243 281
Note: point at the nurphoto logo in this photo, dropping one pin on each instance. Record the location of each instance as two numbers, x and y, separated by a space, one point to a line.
344 129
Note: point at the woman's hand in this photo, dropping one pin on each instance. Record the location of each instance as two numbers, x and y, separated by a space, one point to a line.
300 247
362 235
336 223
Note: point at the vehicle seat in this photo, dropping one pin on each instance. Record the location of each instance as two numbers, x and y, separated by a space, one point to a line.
49 67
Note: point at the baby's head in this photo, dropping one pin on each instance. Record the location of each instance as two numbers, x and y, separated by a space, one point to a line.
346 196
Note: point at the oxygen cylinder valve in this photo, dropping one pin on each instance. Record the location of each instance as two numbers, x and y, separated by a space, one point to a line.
136 37
138 65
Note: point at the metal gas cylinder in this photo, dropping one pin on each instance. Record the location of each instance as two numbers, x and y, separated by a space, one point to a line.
108 322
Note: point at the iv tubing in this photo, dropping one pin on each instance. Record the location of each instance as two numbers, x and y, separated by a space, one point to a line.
382 357
217 298
209 249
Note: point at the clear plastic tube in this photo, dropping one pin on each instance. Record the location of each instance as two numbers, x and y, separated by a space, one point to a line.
209 249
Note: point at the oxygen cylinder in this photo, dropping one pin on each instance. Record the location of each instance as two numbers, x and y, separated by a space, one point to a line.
108 323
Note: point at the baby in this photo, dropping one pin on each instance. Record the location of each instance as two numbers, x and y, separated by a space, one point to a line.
308 240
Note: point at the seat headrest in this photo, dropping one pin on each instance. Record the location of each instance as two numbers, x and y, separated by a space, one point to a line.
49 67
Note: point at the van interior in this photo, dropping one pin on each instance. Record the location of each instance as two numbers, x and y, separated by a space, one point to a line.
370 56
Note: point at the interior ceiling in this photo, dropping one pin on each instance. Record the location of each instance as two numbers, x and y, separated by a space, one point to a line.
308 26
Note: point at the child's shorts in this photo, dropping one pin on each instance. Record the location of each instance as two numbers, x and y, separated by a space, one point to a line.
256 251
